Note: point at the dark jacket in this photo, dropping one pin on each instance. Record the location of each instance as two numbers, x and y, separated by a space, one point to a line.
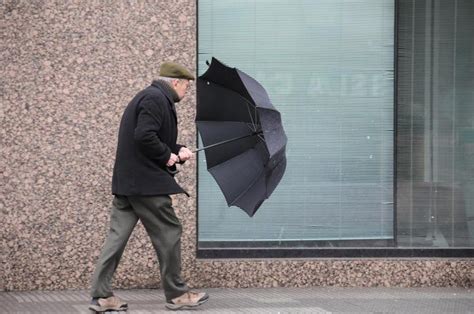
147 136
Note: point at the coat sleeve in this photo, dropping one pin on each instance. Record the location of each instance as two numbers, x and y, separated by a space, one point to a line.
177 147
149 122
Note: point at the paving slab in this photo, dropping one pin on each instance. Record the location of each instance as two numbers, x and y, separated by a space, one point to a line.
253 300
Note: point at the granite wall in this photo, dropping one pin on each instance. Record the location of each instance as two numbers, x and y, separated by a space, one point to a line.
67 70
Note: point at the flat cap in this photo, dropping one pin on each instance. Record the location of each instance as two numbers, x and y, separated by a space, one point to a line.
174 70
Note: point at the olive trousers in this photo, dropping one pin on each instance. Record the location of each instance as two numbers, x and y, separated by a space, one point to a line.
164 229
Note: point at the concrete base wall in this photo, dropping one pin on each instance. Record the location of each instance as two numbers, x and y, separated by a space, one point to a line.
67 70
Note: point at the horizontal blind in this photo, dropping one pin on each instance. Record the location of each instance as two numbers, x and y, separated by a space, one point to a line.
327 65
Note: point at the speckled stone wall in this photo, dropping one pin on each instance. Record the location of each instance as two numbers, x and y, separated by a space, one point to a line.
67 70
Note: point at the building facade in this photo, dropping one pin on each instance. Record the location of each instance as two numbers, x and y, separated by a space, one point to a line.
376 98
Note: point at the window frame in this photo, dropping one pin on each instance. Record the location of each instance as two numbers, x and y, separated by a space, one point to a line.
286 251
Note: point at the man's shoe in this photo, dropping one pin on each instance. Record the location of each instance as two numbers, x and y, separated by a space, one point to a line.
112 303
187 300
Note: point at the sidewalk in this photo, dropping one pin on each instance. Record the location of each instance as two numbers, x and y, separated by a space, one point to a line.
275 300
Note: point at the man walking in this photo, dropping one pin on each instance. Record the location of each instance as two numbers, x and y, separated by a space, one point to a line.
142 182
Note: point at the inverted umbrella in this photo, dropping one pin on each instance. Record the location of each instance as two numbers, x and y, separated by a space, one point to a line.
243 134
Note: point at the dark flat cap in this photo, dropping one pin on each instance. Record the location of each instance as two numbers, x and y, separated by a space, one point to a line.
174 70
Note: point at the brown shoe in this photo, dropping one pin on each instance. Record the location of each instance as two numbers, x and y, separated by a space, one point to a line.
112 303
188 300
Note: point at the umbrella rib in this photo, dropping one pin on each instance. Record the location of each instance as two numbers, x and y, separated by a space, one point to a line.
254 130
255 112
225 142
250 114
250 126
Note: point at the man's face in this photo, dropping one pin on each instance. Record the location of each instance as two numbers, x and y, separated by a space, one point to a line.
181 86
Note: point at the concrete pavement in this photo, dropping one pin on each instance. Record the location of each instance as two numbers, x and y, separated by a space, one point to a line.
251 300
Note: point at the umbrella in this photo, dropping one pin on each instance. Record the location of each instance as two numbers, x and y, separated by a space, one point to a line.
243 136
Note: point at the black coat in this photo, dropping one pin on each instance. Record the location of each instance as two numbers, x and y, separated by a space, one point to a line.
147 137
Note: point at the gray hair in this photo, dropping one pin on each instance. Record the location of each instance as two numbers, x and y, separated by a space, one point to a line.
168 79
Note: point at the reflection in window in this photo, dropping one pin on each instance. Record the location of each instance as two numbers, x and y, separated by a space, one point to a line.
436 124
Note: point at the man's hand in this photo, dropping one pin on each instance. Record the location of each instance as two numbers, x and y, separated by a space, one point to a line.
185 154
173 159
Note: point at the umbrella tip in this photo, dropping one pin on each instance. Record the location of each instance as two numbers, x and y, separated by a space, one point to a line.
207 62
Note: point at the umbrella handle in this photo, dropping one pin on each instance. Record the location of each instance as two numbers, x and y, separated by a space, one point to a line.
171 171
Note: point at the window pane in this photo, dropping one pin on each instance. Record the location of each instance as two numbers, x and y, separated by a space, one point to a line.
328 67
436 124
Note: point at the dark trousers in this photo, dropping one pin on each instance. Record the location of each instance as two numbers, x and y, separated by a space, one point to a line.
157 215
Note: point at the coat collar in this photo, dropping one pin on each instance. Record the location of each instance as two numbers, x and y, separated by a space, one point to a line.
167 90
168 94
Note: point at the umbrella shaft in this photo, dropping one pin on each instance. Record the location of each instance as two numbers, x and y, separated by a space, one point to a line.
227 141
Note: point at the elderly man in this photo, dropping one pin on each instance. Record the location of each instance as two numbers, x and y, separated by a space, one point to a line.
142 183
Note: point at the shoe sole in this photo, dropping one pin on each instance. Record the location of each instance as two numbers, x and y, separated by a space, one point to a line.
174 307
99 309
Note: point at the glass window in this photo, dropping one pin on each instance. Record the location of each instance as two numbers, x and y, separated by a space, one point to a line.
328 67
435 194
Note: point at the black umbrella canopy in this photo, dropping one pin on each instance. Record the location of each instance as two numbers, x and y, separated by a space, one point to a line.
235 111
